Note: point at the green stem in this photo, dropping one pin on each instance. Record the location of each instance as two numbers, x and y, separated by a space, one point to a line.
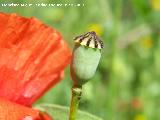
76 96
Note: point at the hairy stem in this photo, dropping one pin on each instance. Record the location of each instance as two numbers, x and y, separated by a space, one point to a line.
76 96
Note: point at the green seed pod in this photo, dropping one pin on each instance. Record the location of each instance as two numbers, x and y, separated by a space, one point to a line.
85 58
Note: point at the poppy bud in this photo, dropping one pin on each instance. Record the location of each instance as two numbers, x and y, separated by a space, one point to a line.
85 58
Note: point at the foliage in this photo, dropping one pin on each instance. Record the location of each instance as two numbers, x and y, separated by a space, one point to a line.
58 112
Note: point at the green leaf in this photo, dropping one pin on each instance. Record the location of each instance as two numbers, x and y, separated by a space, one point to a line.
58 112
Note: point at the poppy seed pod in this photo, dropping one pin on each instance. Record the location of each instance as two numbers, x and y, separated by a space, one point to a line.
85 58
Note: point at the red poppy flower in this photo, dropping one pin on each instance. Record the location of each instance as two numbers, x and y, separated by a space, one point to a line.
136 103
32 59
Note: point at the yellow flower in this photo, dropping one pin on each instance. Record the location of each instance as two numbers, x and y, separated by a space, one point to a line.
147 42
155 4
96 27
139 117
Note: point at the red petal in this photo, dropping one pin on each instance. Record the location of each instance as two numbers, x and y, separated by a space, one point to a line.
45 116
32 58
13 111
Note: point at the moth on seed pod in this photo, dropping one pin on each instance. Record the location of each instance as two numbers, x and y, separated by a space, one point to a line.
85 57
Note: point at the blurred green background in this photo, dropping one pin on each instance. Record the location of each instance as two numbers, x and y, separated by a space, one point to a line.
127 83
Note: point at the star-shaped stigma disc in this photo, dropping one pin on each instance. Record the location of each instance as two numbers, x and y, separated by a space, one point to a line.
89 39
